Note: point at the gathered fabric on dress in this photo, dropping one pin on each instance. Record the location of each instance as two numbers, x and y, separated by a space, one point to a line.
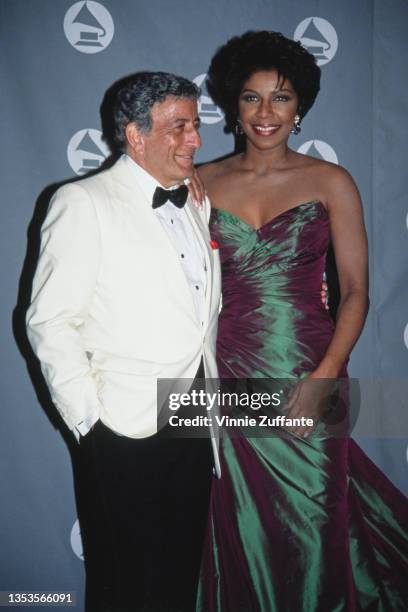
302 525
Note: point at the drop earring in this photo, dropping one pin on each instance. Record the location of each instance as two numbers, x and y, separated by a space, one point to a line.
296 127
238 128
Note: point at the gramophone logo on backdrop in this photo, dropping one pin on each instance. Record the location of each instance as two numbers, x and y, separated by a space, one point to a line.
406 346
319 37
86 151
88 26
208 111
319 149
76 542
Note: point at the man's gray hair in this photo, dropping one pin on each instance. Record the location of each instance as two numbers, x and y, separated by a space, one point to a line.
134 101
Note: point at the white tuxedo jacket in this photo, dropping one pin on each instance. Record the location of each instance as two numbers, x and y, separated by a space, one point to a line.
111 307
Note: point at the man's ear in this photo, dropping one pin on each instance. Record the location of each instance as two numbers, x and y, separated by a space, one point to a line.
135 139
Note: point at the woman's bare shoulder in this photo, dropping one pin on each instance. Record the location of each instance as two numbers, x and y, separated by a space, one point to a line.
329 177
325 170
341 193
336 181
216 171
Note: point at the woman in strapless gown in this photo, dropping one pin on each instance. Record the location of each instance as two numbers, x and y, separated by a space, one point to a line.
305 522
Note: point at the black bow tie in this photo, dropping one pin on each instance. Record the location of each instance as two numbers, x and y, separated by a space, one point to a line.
177 196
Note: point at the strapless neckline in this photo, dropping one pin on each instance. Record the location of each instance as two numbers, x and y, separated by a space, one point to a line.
271 221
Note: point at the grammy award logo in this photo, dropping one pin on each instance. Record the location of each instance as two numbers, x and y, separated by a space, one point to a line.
88 26
76 542
208 111
319 37
319 149
86 151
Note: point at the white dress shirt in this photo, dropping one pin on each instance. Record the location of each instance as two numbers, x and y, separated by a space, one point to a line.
178 227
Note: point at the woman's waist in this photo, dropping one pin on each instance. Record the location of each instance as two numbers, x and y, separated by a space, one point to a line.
281 324
299 302
280 286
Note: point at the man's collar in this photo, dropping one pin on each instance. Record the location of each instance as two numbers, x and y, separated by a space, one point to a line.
146 181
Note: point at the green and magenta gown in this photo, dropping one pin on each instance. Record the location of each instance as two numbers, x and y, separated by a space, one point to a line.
295 525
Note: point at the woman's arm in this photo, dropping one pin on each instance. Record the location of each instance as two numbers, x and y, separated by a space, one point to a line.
309 399
349 241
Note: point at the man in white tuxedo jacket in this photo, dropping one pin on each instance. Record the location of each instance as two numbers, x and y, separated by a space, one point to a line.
127 291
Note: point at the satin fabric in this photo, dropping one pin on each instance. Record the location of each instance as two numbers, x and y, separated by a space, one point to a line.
295 525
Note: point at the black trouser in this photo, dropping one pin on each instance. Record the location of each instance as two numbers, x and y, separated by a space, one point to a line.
153 501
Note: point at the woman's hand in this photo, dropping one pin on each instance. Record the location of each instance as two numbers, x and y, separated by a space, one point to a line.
324 294
196 188
309 399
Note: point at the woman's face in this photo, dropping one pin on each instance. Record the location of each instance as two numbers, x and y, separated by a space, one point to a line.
267 108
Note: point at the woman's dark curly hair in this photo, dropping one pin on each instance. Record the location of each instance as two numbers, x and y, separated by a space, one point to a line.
243 55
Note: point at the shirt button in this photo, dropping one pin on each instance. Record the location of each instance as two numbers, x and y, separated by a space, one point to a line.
172 220
182 255
197 287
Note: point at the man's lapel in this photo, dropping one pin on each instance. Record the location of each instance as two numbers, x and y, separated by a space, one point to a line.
130 194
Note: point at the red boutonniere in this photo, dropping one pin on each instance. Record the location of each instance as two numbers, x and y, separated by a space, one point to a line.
214 244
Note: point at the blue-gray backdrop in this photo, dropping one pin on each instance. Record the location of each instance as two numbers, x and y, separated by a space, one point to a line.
58 58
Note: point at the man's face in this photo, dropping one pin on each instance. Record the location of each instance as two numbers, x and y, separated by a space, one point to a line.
167 151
